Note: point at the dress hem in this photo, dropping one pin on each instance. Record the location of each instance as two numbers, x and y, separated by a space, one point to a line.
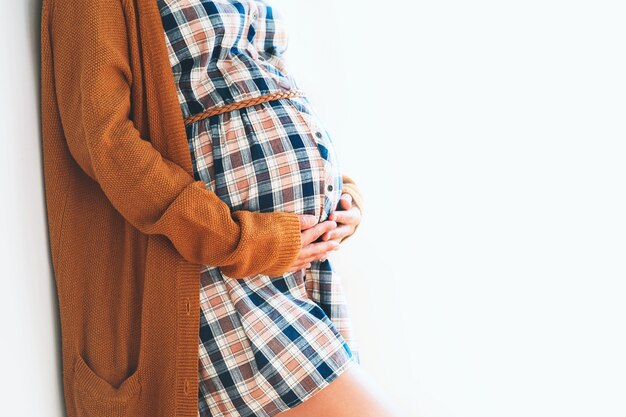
344 367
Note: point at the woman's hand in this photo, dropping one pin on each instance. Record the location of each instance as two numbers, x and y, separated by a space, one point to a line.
318 240
347 218
311 248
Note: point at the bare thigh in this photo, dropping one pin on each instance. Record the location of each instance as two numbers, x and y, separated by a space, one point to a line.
352 394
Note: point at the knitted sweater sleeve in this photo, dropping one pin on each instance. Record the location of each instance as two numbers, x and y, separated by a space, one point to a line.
93 81
351 187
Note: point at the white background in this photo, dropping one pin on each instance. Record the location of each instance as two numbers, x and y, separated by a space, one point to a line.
489 139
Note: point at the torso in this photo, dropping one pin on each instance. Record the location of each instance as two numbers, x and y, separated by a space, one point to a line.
266 343
228 51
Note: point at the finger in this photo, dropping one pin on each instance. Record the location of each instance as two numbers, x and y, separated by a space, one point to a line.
325 250
345 216
320 257
316 231
339 216
339 233
337 239
307 221
314 249
346 200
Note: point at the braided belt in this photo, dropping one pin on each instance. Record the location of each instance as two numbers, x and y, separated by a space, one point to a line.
241 104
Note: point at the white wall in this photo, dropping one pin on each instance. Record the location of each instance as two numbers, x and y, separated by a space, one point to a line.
487 279
30 355
489 138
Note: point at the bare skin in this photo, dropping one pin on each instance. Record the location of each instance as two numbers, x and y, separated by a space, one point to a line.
352 394
347 217
319 239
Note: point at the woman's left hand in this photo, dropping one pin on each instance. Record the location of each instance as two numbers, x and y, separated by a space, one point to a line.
347 216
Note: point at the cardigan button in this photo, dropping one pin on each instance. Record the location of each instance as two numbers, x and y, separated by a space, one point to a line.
318 134
330 187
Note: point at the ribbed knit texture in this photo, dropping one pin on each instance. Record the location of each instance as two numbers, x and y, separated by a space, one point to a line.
129 226
350 187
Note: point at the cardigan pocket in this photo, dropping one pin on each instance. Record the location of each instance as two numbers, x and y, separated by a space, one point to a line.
95 397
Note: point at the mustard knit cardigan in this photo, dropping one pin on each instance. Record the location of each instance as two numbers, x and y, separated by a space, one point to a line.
129 226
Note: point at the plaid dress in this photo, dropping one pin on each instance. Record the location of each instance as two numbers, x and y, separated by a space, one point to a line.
266 344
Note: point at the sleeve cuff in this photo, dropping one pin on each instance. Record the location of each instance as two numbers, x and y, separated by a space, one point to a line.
289 245
270 244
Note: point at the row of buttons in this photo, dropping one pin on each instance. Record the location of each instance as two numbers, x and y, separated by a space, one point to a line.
188 312
329 187
329 177
330 180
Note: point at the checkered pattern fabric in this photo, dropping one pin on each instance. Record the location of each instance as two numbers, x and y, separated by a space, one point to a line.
266 344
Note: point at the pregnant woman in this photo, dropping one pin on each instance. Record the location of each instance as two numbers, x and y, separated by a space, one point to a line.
267 344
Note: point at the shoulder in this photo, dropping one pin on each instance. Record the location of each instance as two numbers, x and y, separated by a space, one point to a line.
87 22
85 11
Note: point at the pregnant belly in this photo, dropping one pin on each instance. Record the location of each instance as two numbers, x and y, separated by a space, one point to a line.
274 156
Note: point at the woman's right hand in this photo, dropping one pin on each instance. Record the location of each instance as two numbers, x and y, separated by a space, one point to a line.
310 249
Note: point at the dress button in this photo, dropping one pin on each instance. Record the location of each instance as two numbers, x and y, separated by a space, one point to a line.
255 15
318 134
330 187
